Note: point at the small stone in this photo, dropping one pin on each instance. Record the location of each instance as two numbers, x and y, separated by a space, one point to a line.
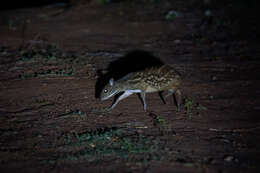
177 41
214 78
208 13
229 158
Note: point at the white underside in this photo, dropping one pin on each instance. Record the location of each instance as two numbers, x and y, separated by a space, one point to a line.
133 91
127 92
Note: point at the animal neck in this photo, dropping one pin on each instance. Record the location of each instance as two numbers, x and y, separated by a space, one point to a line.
119 87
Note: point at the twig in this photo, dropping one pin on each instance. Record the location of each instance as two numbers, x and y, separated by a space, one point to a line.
27 109
235 130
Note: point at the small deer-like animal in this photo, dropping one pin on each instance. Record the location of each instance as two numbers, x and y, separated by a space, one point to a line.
153 79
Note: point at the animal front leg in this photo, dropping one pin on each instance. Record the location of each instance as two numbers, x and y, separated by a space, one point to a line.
124 95
162 97
143 99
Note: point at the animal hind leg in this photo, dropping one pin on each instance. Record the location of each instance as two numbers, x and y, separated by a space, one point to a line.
170 92
178 99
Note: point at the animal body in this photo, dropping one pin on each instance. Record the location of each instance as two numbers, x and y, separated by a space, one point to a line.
153 79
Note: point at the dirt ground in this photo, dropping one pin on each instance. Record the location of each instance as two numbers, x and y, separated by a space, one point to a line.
55 60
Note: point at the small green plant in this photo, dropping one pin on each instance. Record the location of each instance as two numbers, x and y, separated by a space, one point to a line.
160 120
157 120
161 124
172 15
188 105
47 73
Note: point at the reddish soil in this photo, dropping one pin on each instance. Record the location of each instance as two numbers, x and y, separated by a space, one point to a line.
54 63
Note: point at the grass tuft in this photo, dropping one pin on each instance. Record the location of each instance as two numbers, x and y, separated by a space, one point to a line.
112 143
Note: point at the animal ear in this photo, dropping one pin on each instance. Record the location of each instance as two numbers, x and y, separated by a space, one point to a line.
111 82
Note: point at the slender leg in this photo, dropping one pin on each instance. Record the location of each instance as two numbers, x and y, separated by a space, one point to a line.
170 92
161 96
143 99
178 99
124 95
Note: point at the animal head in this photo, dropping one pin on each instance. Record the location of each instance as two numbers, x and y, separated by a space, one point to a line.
109 90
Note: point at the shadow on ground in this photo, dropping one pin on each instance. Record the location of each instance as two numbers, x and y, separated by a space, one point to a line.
133 61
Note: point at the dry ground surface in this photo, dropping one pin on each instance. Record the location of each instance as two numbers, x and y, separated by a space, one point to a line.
54 61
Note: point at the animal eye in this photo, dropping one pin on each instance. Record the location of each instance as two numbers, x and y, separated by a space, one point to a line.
105 91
